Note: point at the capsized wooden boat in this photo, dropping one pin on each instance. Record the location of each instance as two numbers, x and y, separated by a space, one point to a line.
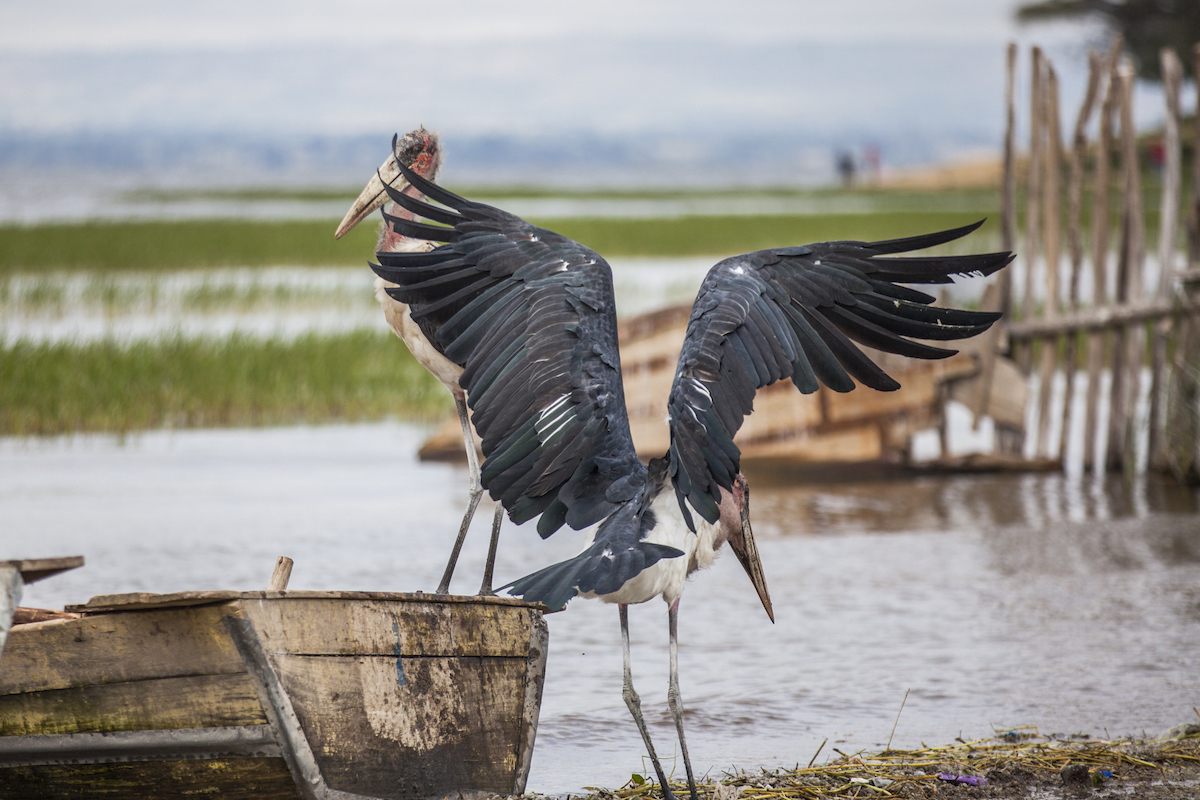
273 694
822 430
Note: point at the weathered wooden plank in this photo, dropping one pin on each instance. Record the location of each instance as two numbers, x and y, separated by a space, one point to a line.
198 701
658 350
863 442
919 389
389 628
34 569
117 648
28 616
1009 393
1097 319
228 779
780 410
141 601
148 600
409 727
651 436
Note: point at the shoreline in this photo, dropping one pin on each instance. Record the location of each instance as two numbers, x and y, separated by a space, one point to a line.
1016 764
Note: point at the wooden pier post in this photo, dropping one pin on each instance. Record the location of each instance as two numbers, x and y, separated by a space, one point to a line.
1033 188
1052 219
1100 245
1129 341
1168 231
1079 144
1183 422
999 297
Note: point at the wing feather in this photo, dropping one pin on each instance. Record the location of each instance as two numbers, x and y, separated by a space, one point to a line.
529 316
796 313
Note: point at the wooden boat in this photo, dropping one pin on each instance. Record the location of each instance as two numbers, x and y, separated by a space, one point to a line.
789 430
273 694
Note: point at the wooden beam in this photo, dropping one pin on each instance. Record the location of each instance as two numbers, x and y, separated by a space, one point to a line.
1095 319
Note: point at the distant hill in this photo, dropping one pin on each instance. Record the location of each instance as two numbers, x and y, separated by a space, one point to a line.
143 158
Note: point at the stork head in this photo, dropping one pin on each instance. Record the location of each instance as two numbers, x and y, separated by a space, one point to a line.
419 151
735 523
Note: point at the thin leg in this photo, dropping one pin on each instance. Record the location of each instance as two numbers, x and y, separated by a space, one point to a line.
486 589
476 493
673 699
635 704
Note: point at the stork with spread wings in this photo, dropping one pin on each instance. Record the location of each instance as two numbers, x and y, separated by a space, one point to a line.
529 316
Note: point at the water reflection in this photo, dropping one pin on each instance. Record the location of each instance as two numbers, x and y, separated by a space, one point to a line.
952 502
996 600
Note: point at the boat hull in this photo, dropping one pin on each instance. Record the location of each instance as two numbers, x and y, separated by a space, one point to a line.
273 694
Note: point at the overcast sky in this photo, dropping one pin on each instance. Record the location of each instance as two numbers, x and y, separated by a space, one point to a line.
810 67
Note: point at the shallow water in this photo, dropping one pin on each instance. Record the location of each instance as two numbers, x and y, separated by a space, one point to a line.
995 601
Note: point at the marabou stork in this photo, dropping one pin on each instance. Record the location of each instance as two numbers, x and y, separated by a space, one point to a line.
420 152
529 317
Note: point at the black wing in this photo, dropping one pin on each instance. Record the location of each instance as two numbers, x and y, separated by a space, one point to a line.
617 554
529 315
792 313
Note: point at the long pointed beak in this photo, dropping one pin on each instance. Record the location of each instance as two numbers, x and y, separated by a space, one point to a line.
747 553
373 196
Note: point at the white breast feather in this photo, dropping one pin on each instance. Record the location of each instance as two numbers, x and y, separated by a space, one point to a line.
401 321
668 576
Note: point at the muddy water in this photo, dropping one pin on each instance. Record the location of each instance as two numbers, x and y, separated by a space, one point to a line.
995 602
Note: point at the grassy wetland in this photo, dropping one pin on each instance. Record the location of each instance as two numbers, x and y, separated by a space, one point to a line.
133 325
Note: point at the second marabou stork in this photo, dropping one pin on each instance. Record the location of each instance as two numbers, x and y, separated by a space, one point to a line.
529 317
420 152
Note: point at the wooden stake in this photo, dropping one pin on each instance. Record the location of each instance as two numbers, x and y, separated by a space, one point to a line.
281 575
1183 442
1079 145
1172 72
1033 188
1194 216
1128 342
1052 218
1100 243
1001 297
1008 190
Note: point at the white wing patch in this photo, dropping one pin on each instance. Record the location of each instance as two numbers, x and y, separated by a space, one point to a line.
554 418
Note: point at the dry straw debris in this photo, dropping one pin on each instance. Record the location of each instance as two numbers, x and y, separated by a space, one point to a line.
1018 763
